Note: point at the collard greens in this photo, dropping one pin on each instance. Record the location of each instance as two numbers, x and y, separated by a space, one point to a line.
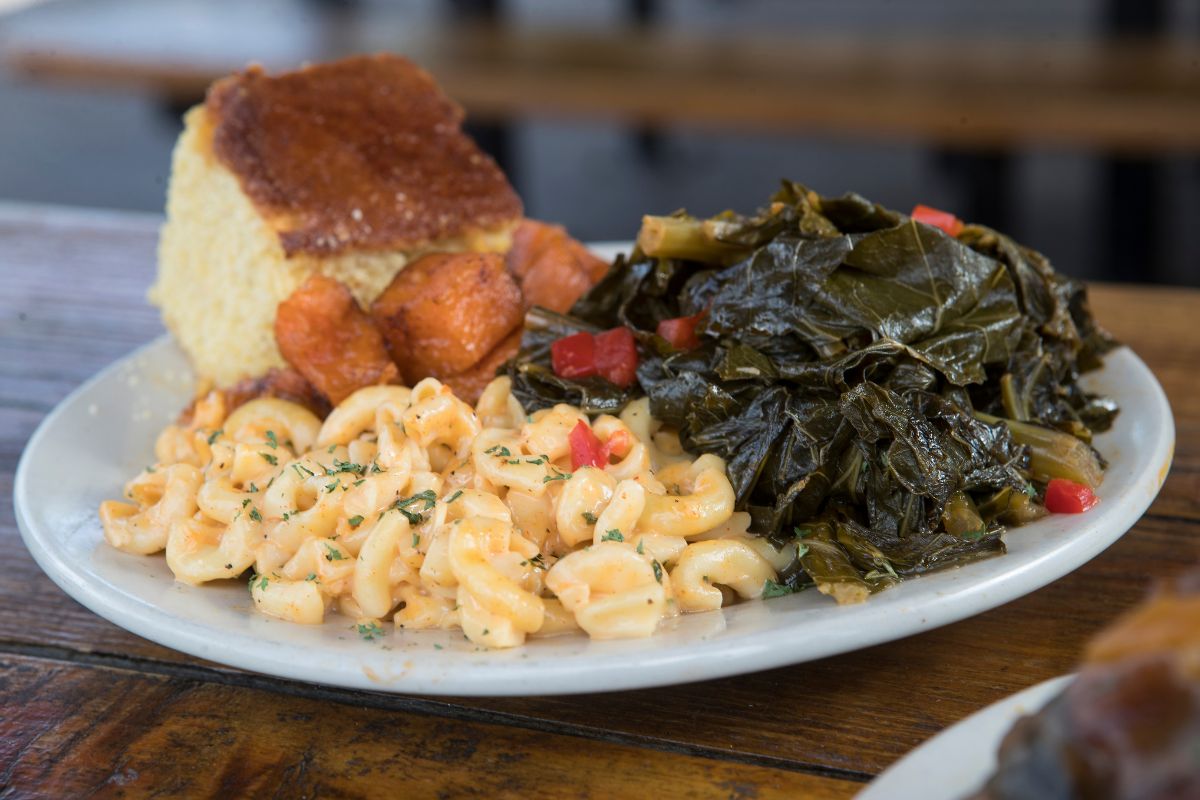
878 388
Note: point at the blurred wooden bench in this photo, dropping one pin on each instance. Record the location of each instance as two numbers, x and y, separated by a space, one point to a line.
1133 98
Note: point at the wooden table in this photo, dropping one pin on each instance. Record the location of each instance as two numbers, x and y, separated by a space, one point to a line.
86 707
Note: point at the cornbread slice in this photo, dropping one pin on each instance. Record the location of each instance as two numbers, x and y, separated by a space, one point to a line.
350 170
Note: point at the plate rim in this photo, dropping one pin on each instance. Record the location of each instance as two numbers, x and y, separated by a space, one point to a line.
749 652
997 719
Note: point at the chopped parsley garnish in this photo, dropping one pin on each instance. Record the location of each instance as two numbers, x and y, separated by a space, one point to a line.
558 476
801 534
332 447
312 576
773 589
485 631
286 516
333 554
259 581
538 460
657 570
641 547
498 450
437 647
345 466
428 497
359 482
890 570
329 487
300 467
876 574
612 536
254 489
254 515
375 467
355 521
150 469
413 517
454 497
369 630
212 437
513 461
246 502
270 459
272 442
416 540
589 518
538 561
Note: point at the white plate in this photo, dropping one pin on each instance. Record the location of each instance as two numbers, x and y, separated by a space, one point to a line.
957 761
103 434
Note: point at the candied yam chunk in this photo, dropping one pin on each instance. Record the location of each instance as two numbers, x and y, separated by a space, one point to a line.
286 384
470 383
529 241
554 283
445 312
554 270
328 339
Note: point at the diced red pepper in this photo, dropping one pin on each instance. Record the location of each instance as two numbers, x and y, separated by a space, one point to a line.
938 219
612 355
1068 497
681 331
616 356
574 356
617 445
586 450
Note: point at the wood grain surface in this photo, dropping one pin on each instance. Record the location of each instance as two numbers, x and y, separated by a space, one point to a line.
77 733
86 707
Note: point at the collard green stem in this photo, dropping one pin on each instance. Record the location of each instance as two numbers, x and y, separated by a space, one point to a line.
960 517
685 238
1053 454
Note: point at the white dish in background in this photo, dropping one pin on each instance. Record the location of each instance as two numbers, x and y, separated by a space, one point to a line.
103 434
957 761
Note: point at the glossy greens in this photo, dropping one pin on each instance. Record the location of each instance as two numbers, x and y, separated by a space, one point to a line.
885 394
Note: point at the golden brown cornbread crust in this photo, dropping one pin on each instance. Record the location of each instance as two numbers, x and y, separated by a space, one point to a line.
364 154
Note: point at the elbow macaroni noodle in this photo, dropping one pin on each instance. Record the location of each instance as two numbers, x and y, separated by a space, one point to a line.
410 506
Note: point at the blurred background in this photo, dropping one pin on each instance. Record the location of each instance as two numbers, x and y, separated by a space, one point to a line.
1073 124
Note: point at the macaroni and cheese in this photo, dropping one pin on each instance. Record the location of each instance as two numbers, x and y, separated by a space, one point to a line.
408 506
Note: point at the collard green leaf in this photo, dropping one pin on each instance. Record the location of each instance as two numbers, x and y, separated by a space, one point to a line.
764 302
